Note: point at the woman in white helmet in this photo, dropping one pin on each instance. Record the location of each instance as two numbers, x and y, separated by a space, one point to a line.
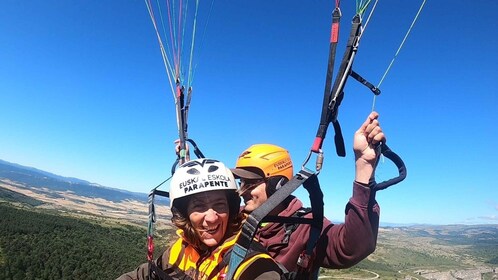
205 207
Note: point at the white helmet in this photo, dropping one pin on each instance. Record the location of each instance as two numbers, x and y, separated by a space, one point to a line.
200 175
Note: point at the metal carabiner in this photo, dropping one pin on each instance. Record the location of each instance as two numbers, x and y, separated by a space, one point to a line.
318 163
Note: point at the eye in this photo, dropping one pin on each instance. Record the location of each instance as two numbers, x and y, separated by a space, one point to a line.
220 207
197 207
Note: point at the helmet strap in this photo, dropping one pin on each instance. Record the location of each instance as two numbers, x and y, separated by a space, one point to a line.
274 183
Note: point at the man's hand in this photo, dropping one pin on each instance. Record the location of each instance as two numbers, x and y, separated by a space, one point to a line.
366 140
177 149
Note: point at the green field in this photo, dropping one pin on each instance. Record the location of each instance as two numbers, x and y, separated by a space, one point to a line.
41 244
36 245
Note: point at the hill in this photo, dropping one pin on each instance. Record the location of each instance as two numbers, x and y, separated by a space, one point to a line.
430 252
38 179
54 227
75 197
403 252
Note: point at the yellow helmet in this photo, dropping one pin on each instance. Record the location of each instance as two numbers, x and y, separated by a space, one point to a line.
263 161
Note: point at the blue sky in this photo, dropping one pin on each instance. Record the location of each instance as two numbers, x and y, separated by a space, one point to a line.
83 93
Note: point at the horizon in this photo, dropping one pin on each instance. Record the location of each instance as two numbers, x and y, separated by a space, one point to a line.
85 94
382 224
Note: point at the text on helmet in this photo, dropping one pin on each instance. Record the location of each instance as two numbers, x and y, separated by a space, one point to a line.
282 164
212 181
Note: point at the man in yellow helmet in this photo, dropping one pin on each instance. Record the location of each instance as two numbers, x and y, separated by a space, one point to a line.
263 168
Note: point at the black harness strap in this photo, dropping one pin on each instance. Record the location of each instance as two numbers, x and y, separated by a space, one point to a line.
291 227
182 120
330 112
362 80
388 153
152 219
316 198
171 273
182 108
337 93
197 153
333 98
325 118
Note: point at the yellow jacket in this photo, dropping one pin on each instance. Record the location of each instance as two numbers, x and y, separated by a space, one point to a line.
183 261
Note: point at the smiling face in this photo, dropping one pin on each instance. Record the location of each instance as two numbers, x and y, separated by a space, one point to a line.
253 194
208 213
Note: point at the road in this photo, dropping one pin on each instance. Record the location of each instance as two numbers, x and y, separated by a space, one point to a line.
375 276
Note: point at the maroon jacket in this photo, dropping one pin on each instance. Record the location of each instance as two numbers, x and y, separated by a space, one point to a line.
339 246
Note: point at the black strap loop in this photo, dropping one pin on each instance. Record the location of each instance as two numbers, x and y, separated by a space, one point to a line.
362 80
197 153
388 153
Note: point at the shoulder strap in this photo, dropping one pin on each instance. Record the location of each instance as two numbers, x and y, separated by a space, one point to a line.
255 249
170 273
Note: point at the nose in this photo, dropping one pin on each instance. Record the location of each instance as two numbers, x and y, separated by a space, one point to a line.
211 215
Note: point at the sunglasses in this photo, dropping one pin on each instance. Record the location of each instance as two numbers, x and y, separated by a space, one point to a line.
247 185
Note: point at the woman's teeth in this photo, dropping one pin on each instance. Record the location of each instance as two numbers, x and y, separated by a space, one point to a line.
212 230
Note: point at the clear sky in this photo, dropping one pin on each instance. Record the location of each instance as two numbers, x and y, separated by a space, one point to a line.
83 93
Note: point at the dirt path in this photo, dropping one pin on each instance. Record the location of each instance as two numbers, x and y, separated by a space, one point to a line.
376 276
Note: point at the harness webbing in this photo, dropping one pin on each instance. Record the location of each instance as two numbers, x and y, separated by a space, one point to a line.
181 119
333 98
310 181
170 274
290 227
369 85
152 218
325 118
336 95
388 153
255 249
197 153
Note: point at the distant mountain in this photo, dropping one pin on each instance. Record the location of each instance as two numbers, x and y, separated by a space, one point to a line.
38 179
48 174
